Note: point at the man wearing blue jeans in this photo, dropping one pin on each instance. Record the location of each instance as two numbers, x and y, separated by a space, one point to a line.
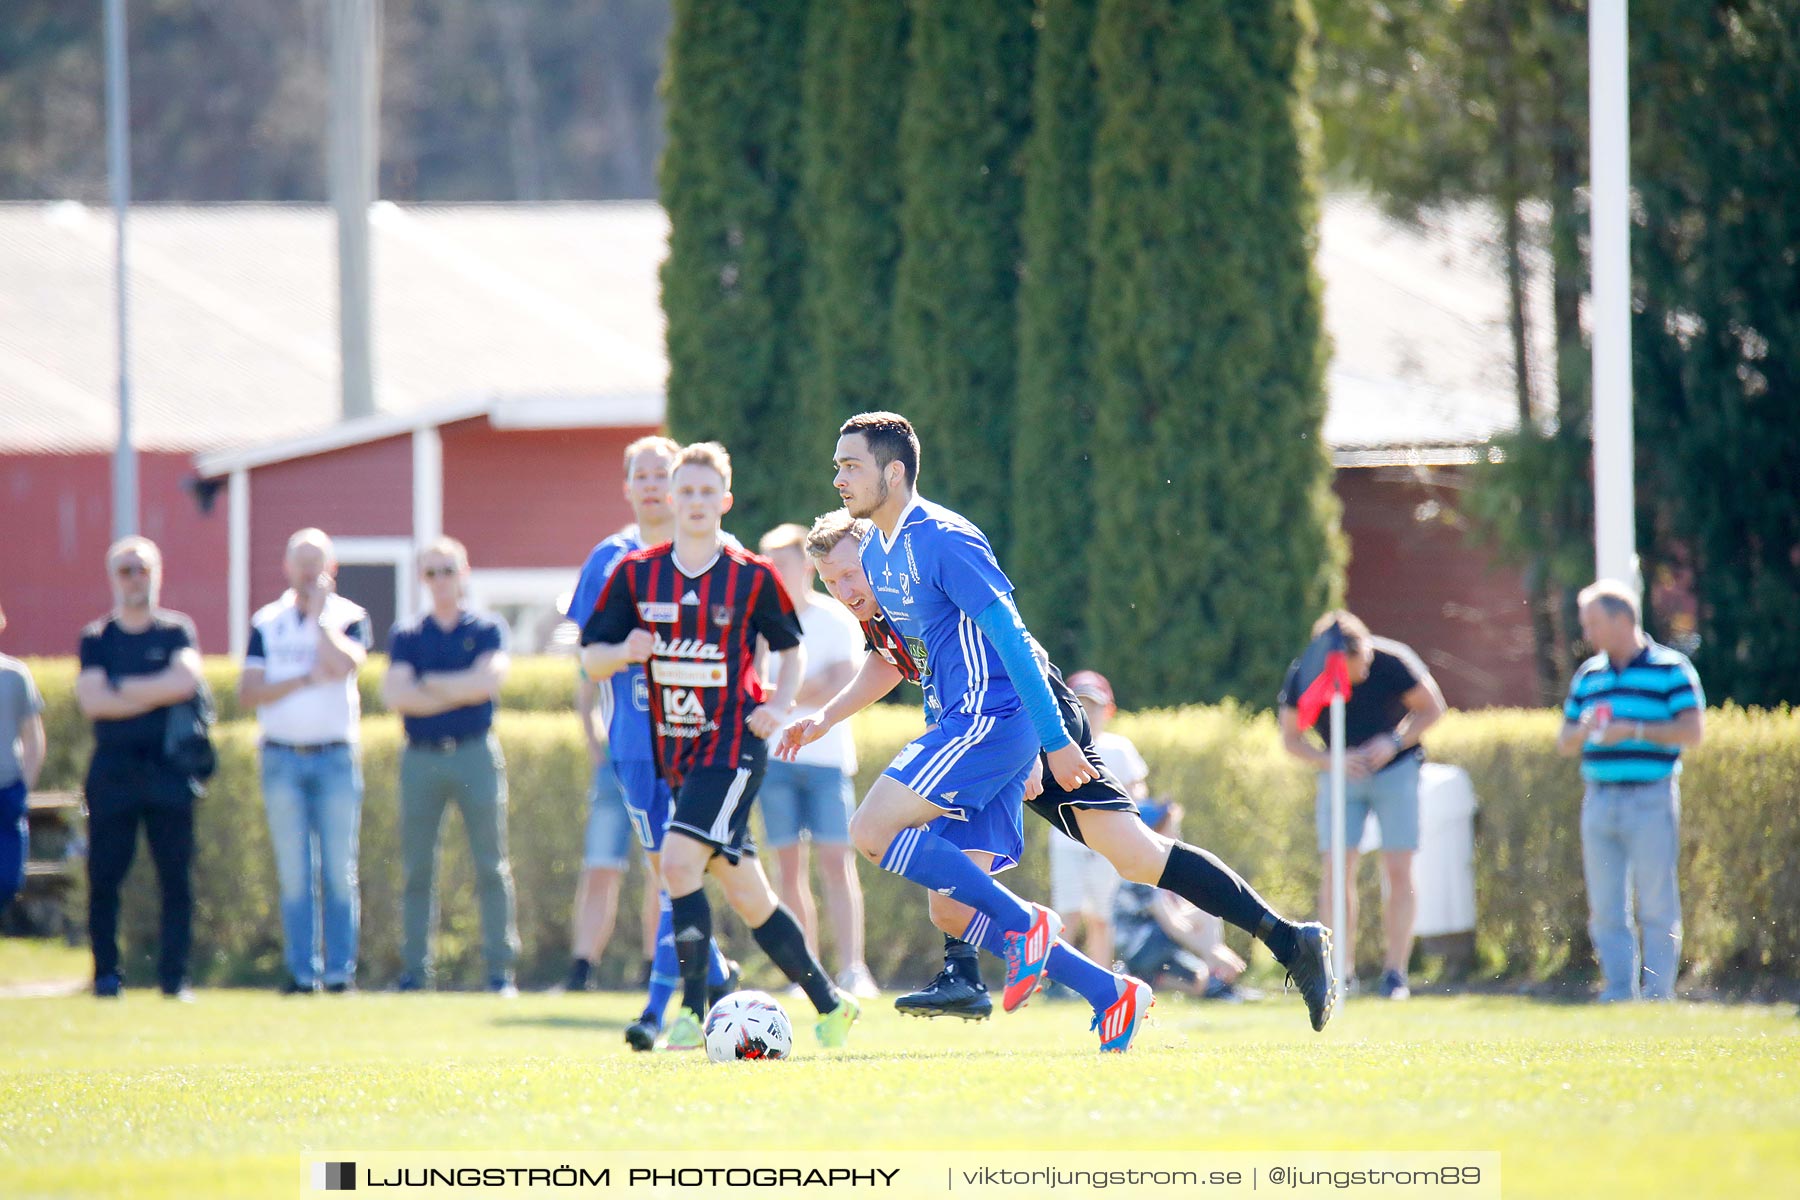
1631 710
300 676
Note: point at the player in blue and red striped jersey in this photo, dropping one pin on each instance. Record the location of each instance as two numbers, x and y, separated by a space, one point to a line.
954 794
1100 814
692 610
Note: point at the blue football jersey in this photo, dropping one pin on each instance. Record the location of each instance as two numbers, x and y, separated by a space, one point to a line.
625 700
933 579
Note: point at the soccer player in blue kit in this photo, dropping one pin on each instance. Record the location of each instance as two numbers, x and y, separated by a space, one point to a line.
626 707
1100 814
955 793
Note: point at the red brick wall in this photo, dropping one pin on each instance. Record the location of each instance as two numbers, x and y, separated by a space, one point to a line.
55 526
359 491
1415 577
533 498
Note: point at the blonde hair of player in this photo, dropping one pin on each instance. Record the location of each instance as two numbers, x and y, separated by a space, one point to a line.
828 529
706 454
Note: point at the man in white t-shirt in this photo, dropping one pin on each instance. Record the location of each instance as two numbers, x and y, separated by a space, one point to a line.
300 676
814 795
1082 883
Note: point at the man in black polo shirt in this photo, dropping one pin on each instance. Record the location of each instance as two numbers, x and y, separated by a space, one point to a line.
1393 701
136 664
444 675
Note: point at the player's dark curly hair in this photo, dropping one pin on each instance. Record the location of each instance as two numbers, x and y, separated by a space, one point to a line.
890 437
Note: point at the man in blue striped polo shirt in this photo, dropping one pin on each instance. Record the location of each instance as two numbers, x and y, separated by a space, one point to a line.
1631 709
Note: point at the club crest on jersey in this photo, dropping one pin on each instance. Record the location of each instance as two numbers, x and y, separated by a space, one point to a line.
658 612
722 614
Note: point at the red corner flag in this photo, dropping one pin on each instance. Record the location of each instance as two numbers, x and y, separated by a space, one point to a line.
1324 673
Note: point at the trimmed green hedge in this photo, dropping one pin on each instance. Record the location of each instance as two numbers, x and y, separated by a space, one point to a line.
1245 800
540 683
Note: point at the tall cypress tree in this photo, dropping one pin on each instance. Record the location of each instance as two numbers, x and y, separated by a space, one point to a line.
1718 341
1052 467
962 133
1215 526
853 82
731 285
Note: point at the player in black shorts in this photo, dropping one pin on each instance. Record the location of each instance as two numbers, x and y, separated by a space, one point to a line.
1100 814
692 610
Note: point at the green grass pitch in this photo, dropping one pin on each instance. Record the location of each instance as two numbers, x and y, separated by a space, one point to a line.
218 1098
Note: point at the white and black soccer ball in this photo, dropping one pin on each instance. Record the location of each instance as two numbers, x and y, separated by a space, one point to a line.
748 1025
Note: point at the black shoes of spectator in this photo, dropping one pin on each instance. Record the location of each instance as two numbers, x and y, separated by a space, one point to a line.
109 987
949 995
1310 970
341 988
406 983
293 987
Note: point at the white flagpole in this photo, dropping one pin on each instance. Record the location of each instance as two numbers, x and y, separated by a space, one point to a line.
1609 214
1340 903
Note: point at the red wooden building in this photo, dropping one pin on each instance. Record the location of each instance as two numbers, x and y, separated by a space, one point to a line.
519 348
527 486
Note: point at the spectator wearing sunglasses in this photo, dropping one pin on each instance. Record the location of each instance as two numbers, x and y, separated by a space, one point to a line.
138 662
444 674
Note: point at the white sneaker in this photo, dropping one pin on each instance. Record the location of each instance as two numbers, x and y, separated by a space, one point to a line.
858 982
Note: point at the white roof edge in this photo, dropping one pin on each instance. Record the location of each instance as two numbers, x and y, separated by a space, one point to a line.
1414 456
336 437
547 412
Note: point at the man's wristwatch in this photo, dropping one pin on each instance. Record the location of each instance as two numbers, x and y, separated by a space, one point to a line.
1399 742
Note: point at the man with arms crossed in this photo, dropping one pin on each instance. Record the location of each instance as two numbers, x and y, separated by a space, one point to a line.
136 664
693 610
946 812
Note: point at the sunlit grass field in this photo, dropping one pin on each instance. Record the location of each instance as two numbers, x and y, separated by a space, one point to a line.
220 1097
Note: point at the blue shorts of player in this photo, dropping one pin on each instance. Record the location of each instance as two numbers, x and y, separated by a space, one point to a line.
608 842
1391 793
974 768
647 800
805 797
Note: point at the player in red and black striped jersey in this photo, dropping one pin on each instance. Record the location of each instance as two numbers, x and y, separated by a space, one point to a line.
703 628
692 610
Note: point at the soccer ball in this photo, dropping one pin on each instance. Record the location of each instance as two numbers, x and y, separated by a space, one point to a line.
748 1025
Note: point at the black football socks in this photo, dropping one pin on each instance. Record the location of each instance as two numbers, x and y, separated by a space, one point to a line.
962 958
782 939
691 918
1198 877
